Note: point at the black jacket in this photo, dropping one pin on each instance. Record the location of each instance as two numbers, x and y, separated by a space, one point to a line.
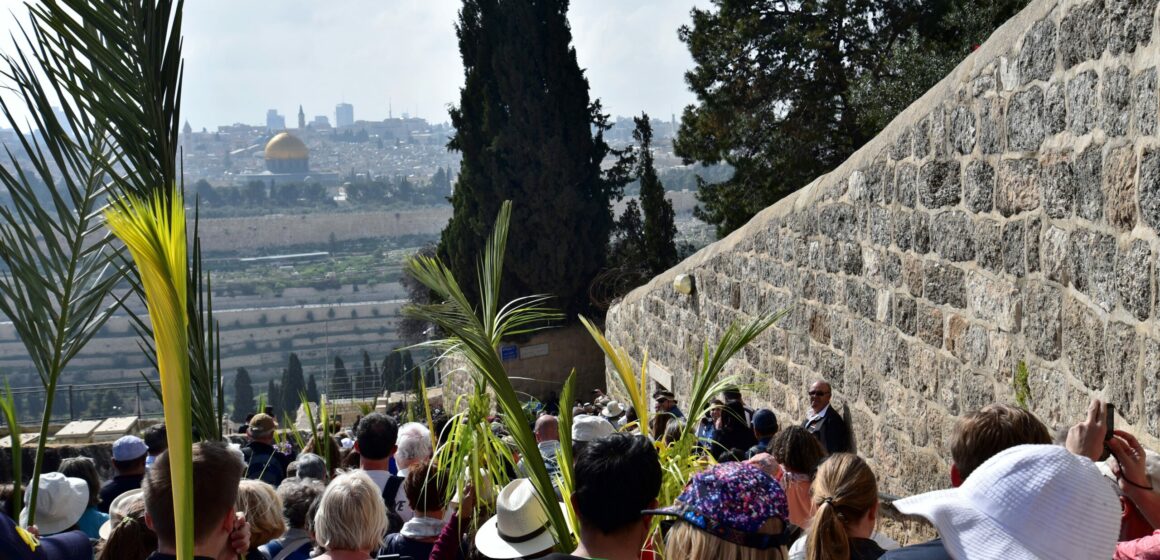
831 430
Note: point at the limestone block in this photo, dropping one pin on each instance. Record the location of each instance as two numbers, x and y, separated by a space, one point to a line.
829 289
1083 337
1013 245
930 325
882 225
1082 103
905 319
1037 55
922 138
912 275
995 301
1127 23
892 269
836 221
978 391
962 130
1093 265
1119 175
1048 394
920 223
1025 122
1043 327
979 186
1055 253
1081 33
951 235
1057 181
944 284
1121 358
950 384
1018 187
1144 102
1055 107
988 244
1116 97
1150 388
77 431
991 125
1134 275
1087 170
1149 188
939 184
924 370
819 325
1034 227
861 299
903 232
905 184
902 146
939 134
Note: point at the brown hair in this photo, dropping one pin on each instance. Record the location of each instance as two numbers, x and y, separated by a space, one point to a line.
982 434
131 539
216 473
425 487
844 490
798 450
85 469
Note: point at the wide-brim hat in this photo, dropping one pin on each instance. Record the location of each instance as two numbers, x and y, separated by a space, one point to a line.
1025 503
612 410
587 427
117 511
60 504
520 526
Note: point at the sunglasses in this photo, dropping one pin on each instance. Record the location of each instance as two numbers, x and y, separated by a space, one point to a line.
818 393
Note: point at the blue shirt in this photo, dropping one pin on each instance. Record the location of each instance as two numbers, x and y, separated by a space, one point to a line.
91 521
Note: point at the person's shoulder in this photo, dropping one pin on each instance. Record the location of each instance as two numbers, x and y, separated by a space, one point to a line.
930 550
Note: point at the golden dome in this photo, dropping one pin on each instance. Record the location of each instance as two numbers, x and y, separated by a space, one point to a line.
284 146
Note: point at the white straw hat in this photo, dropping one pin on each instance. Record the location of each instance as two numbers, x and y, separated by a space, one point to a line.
60 503
587 427
612 410
520 526
1026 503
117 511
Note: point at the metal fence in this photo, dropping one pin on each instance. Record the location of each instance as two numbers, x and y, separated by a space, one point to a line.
88 401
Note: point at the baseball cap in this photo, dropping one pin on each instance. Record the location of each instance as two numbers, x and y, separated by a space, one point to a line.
129 448
764 421
732 501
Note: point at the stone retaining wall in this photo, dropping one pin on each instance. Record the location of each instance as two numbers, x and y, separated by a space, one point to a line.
1009 215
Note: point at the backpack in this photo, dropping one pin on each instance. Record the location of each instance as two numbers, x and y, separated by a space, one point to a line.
394 521
264 466
275 550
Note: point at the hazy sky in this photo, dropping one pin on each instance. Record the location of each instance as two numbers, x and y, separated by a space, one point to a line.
246 56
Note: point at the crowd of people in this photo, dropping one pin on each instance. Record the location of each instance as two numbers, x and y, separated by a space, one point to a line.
770 492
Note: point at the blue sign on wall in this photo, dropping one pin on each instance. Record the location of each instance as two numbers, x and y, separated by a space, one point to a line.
509 353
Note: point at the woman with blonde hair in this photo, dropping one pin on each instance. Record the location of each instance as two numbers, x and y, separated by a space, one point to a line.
845 499
351 518
263 509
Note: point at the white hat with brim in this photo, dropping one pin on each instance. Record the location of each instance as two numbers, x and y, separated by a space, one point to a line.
612 410
60 503
520 526
117 511
1025 503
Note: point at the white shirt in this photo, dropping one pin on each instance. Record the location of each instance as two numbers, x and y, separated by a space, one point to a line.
815 415
400 504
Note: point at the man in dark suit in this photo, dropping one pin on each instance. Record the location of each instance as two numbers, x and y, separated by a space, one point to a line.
824 422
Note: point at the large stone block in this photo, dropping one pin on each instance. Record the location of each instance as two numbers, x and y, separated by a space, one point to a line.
1013 247
988 244
1037 55
991 125
940 184
920 223
1121 358
962 130
939 134
1055 107
837 221
882 225
1087 171
929 325
1127 24
1057 182
861 299
905 315
912 275
1042 329
952 235
1083 338
1081 33
922 138
1093 265
1116 98
944 284
1149 188
994 301
1034 229
1150 389
1134 275
979 186
1144 102
905 184
1082 102
1119 175
902 146
1025 123
1018 186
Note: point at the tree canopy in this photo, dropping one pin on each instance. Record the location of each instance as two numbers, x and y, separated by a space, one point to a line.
788 90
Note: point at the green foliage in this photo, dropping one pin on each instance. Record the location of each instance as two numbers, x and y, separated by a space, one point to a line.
15 452
339 381
787 91
243 396
660 252
312 394
1020 384
293 383
524 126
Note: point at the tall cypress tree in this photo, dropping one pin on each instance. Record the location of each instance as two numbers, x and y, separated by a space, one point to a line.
660 250
340 383
312 390
293 383
243 396
273 396
524 126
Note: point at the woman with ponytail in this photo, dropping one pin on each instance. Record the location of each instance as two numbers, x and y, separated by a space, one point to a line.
845 500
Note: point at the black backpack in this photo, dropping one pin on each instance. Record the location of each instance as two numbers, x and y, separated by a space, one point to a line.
394 521
264 466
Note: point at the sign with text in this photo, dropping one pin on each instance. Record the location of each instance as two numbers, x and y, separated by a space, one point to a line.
509 352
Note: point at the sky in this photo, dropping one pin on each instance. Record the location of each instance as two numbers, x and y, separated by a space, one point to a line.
246 56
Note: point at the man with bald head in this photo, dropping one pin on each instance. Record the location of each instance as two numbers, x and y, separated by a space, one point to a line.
547 433
824 422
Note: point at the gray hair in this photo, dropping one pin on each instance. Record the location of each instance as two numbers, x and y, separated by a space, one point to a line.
297 496
351 514
311 466
414 444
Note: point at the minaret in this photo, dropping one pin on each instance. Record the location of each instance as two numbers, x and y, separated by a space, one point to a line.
301 118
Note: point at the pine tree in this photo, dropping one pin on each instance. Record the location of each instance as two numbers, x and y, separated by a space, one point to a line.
293 384
243 396
524 126
340 382
660 251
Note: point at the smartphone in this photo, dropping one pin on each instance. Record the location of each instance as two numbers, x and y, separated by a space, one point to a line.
1109 420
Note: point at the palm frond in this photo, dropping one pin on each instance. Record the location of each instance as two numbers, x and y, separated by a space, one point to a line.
8 409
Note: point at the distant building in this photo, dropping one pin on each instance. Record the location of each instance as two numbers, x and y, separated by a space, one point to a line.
320 121
287 161
301 118
274 121
343 115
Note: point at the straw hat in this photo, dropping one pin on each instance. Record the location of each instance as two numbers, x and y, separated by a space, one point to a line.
117 511
60 504
612 410
1025 503
520 526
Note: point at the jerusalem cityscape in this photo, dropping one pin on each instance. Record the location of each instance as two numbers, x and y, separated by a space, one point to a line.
651 280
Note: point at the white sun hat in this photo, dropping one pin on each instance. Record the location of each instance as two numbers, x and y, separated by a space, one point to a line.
612 410
520 526
60 503
1028 502
117 510
587 427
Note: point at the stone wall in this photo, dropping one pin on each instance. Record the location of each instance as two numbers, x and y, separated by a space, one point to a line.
1011 214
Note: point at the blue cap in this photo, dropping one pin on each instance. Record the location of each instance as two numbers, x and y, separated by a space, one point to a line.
129 448
764 421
